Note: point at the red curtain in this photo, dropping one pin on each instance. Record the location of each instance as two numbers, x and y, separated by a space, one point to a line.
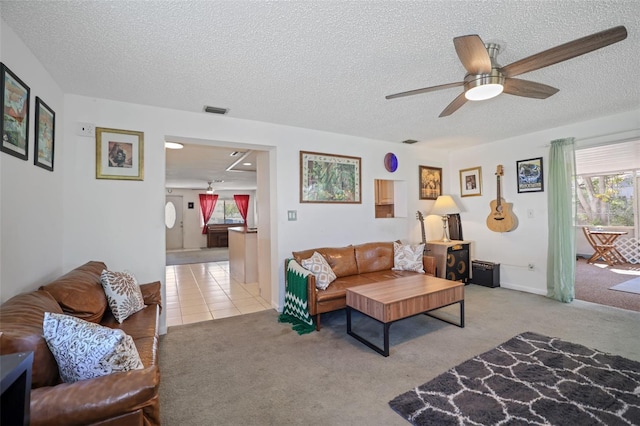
242 201
207 204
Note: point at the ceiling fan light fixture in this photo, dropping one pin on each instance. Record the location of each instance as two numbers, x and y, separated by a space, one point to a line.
209 188
484 92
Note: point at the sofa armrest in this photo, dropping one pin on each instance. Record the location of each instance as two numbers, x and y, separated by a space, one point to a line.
90 401
311 289
312 295
152 294
429 263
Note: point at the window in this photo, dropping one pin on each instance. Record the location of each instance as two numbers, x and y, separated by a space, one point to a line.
606 199
226 211
608 180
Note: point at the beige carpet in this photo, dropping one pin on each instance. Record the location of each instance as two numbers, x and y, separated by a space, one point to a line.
252 370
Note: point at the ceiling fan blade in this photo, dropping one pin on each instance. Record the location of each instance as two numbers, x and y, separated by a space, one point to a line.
566 51
528 89
425 90
453 106
473 54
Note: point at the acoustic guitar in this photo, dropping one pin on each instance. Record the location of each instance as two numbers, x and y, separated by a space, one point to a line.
501 219
420 217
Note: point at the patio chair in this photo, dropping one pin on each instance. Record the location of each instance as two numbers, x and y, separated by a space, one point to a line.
606 252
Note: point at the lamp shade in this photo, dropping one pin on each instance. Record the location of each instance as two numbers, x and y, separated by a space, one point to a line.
444 205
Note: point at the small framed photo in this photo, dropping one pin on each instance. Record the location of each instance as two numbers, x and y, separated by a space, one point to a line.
119 154
328 178
14 126
45 135
471 182
430 182
530 175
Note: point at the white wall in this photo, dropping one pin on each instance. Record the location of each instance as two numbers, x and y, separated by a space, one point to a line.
126 217
528 242
32 206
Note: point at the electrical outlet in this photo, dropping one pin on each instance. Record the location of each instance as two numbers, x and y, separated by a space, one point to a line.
531 266
85 129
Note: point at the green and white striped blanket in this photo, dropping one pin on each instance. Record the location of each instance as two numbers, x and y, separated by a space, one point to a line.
296 309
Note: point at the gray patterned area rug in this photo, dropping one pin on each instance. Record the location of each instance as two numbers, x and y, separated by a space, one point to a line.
533 380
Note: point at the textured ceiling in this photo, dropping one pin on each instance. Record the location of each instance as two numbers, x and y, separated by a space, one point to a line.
328 65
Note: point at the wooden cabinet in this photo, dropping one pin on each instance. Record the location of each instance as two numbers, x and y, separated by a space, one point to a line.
218 235
452 259
384 191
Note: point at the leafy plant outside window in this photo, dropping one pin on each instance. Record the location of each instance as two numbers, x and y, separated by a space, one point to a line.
606 199
225 211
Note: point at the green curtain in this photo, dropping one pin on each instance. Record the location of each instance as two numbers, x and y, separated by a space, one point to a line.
561 261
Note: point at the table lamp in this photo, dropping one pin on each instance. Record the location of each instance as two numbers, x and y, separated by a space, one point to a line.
444 206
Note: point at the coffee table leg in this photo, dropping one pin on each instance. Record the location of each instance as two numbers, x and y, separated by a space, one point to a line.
382 351
386 338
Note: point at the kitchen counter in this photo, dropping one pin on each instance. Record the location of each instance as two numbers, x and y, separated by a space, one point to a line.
243 254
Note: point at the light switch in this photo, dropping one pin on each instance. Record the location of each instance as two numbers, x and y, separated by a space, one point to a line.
292 215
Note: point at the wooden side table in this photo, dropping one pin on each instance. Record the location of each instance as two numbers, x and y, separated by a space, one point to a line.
452 259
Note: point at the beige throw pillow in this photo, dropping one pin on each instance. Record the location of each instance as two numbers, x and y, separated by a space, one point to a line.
321 269
123 293
408 257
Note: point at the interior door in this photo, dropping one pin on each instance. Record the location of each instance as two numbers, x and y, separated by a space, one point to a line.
173 222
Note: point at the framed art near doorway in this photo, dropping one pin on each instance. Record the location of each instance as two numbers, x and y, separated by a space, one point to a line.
119 154
329 178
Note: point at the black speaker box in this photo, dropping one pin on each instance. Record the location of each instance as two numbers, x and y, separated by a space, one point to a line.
457 268
486 274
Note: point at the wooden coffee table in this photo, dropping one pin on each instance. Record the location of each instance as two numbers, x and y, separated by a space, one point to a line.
400 298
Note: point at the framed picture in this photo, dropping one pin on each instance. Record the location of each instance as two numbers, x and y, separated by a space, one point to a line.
15 117
430 182
471 182
328 178
45 135
530 175
119 154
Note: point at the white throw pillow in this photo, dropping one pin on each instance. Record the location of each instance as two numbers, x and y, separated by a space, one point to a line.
321 269
123 293
84 350
408 257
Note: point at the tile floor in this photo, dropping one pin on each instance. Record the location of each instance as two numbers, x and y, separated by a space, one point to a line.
205 291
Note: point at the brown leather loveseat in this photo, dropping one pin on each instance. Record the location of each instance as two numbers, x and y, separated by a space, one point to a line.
353 265
122 398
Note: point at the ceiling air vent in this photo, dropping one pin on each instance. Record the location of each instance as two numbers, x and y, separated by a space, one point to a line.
215 110
410 141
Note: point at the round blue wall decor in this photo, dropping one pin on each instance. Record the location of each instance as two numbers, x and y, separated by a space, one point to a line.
391 162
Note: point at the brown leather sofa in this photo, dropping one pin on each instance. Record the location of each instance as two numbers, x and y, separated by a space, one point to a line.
353 265
123 398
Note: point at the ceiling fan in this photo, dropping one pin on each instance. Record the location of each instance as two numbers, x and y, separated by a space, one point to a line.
486 79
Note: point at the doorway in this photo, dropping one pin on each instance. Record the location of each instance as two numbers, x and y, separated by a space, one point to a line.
174 222
188 172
